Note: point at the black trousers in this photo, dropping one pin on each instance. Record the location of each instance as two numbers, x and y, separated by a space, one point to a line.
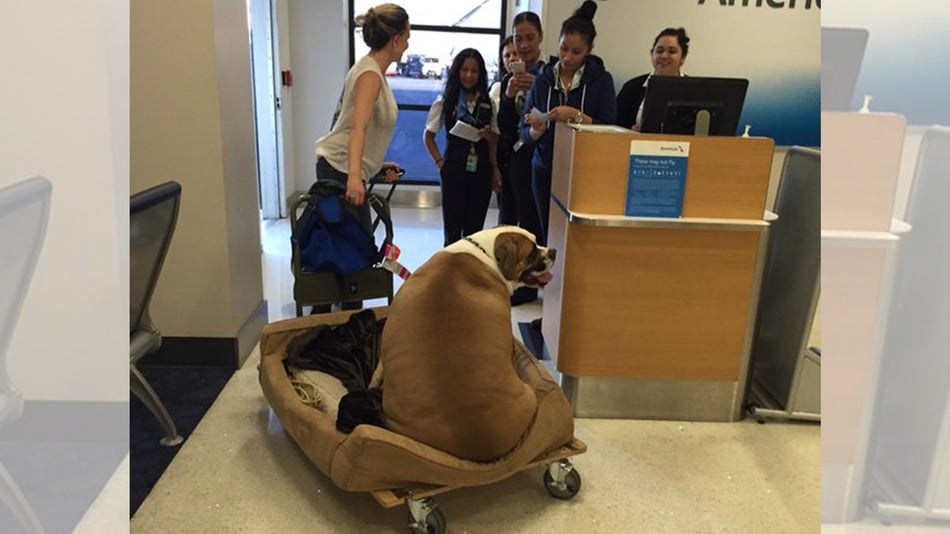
520 178
507 202
541 186
465 199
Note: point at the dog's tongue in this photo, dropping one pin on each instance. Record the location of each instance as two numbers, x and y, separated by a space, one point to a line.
545 278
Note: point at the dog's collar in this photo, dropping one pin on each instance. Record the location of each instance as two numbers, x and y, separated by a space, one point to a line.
472 241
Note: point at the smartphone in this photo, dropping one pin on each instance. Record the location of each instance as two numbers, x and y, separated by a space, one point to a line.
516 67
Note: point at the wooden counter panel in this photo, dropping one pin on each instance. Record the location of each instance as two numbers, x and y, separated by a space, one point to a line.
852 279
655 303
551 309
561 165
727 177
860 163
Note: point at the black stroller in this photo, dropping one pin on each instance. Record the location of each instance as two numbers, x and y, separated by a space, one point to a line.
328 287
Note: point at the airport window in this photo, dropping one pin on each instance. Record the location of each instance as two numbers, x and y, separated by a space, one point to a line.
439 31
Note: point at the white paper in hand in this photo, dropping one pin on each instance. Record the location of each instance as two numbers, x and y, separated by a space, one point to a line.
537 116
465 131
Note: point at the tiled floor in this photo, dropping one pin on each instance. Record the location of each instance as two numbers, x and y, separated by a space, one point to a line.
239 472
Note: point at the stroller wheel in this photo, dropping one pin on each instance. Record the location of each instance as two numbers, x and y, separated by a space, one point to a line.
562 480
425 518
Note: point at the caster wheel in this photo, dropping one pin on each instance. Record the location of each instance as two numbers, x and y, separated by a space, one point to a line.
434 523
565 490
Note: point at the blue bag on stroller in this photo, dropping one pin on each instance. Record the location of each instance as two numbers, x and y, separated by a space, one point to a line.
329 235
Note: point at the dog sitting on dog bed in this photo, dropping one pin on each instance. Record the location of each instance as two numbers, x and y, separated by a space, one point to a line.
448 372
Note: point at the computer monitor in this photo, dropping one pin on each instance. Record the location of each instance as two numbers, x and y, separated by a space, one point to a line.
842 51
680 104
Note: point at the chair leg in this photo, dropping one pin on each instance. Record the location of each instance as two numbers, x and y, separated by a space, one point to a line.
141 388
11 404
11 495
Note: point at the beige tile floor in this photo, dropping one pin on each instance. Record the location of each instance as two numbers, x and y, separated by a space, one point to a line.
238 471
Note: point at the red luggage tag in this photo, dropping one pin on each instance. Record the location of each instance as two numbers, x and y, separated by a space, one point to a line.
390 254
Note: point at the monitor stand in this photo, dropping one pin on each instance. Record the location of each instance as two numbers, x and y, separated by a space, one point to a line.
703 118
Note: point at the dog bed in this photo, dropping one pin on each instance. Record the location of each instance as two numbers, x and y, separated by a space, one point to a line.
396 469
374 458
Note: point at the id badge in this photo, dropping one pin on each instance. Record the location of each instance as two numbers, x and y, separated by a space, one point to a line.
471 163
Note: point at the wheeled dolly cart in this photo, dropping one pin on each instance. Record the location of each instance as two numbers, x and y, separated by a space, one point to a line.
560 478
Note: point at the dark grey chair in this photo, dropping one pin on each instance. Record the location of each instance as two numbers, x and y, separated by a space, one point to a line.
910 444
786 372
152 219
24 212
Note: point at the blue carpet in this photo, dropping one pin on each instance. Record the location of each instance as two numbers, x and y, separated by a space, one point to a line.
532 339
60 454
187 392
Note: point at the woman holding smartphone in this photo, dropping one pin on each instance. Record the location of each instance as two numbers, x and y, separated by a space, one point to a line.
514 88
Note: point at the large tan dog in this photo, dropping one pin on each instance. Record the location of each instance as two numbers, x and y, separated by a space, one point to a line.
448 376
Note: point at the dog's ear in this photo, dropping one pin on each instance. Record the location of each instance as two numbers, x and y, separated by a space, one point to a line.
506 255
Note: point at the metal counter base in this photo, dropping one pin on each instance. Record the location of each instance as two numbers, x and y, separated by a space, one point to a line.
636 398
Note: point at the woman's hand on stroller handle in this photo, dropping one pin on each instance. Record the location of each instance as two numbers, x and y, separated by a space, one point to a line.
391 172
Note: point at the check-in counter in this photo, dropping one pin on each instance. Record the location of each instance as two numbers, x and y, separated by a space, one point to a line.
652 317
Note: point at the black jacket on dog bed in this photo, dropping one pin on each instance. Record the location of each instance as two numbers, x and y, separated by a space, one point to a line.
350 353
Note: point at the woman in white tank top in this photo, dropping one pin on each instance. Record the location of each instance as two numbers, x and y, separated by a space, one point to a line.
353 151
365 118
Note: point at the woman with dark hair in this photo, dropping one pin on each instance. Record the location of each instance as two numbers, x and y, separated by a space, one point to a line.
668 55
507 210
507 52
516 184
575 89
468 168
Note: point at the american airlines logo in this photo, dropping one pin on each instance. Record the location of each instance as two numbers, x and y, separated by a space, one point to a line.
789 4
